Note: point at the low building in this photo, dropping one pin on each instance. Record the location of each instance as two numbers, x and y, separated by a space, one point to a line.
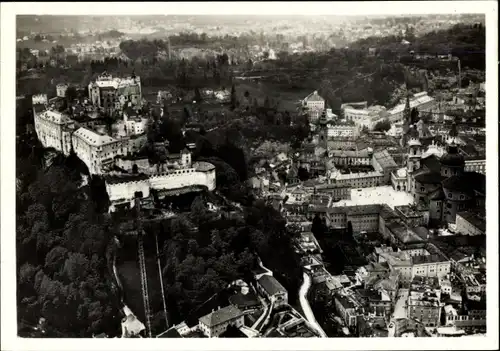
273 290
356 180
413 216
472 319
215 323
362 218
336 191
350 157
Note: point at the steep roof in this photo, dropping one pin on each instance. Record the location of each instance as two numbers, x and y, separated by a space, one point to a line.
438 194
458 183
271 285
385 159
431 163
474 220
221 316
429 178
314 96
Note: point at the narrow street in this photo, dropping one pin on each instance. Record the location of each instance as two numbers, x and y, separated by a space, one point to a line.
307 308
400 307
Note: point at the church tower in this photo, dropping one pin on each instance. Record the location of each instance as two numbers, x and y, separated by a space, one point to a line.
414 149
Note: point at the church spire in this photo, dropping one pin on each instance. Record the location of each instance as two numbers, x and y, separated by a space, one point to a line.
407 110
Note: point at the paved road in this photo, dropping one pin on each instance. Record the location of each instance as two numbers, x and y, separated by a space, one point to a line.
400 307
306 307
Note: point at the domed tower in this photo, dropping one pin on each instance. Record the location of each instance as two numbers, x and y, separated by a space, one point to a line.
452 162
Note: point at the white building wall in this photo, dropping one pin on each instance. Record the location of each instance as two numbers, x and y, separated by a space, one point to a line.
440 269
39 99
126 191
53 135
183 178
478 166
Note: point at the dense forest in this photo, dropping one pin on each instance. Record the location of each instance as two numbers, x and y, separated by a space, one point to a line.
201 263
61 240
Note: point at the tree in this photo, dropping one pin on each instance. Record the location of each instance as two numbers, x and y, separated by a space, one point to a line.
70 94
317 226
198 210
267 102
197 95
382 126
414 115
303 174
234 98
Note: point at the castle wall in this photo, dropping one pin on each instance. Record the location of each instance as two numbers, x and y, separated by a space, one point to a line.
183 178
125 192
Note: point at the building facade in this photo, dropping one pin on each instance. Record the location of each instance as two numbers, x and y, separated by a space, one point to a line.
61 90
112 94
475 165
355 180
97 151
273 290
123 189
54 130
421 101
314 105
214 324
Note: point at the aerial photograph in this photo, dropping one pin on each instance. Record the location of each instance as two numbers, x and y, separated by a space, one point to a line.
244 176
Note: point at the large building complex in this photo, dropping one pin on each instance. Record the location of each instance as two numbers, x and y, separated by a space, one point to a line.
421 101
112 94
314 105
112 150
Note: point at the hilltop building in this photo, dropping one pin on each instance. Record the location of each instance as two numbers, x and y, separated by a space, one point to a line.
314 105
112 94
